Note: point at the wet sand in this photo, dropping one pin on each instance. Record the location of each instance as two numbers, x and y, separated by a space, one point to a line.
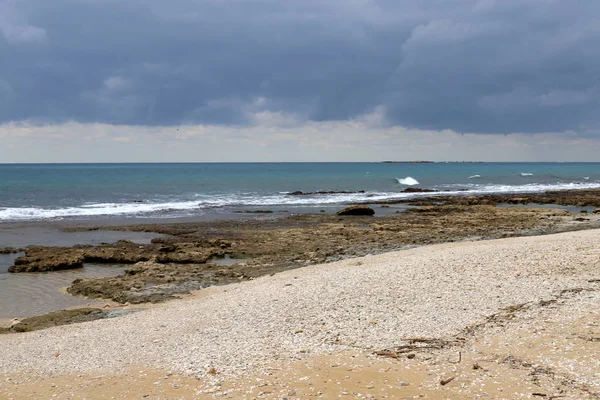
502 319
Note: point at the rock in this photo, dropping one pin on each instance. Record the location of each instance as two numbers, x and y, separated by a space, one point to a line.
50 262
357 210
254 212
63 317
9 250
418 190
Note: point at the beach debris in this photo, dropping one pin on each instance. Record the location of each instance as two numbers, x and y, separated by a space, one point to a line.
444 382
459 359
357 210
415 344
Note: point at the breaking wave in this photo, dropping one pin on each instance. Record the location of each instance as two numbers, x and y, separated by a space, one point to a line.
227 203
409 181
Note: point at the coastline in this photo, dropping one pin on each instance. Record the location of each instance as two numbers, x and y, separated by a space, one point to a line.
166 260
293 330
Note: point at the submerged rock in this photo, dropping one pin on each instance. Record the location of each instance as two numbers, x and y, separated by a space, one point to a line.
357 210
418 190
9 250
254 212
322 192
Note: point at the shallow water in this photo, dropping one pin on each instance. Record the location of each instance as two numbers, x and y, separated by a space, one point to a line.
571 209
29 294
22 236
225 261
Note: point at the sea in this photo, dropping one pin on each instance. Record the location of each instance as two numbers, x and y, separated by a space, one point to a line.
35 192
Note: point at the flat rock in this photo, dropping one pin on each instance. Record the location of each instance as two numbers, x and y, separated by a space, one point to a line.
51 262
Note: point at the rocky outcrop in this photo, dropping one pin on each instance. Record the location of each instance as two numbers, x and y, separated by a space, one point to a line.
10 250
44 261
357 210
154 282
579 198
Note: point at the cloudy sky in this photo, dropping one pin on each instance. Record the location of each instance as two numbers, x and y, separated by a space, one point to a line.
299 80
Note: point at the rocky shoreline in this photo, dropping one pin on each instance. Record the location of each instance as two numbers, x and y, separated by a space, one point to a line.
189 257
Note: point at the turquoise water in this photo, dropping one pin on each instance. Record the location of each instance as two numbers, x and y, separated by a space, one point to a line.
89 191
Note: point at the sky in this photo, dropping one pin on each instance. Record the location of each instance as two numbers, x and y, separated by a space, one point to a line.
299 80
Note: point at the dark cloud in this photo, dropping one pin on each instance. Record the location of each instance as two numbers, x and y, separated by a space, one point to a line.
471 66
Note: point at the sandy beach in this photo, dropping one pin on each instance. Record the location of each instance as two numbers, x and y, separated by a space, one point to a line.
508 318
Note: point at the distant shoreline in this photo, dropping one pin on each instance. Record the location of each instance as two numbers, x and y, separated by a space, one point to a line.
431 162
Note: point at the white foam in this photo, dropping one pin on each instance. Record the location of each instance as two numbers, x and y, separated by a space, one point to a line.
409 181
90 210
526 174
528 188
474 176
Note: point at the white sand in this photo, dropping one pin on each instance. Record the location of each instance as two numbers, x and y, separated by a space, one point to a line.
370 302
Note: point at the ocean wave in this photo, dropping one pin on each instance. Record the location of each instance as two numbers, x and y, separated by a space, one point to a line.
209 203
91 210
474 176
526 174
472 188
409 181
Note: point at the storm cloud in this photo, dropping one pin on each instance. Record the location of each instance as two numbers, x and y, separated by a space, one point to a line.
486 66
